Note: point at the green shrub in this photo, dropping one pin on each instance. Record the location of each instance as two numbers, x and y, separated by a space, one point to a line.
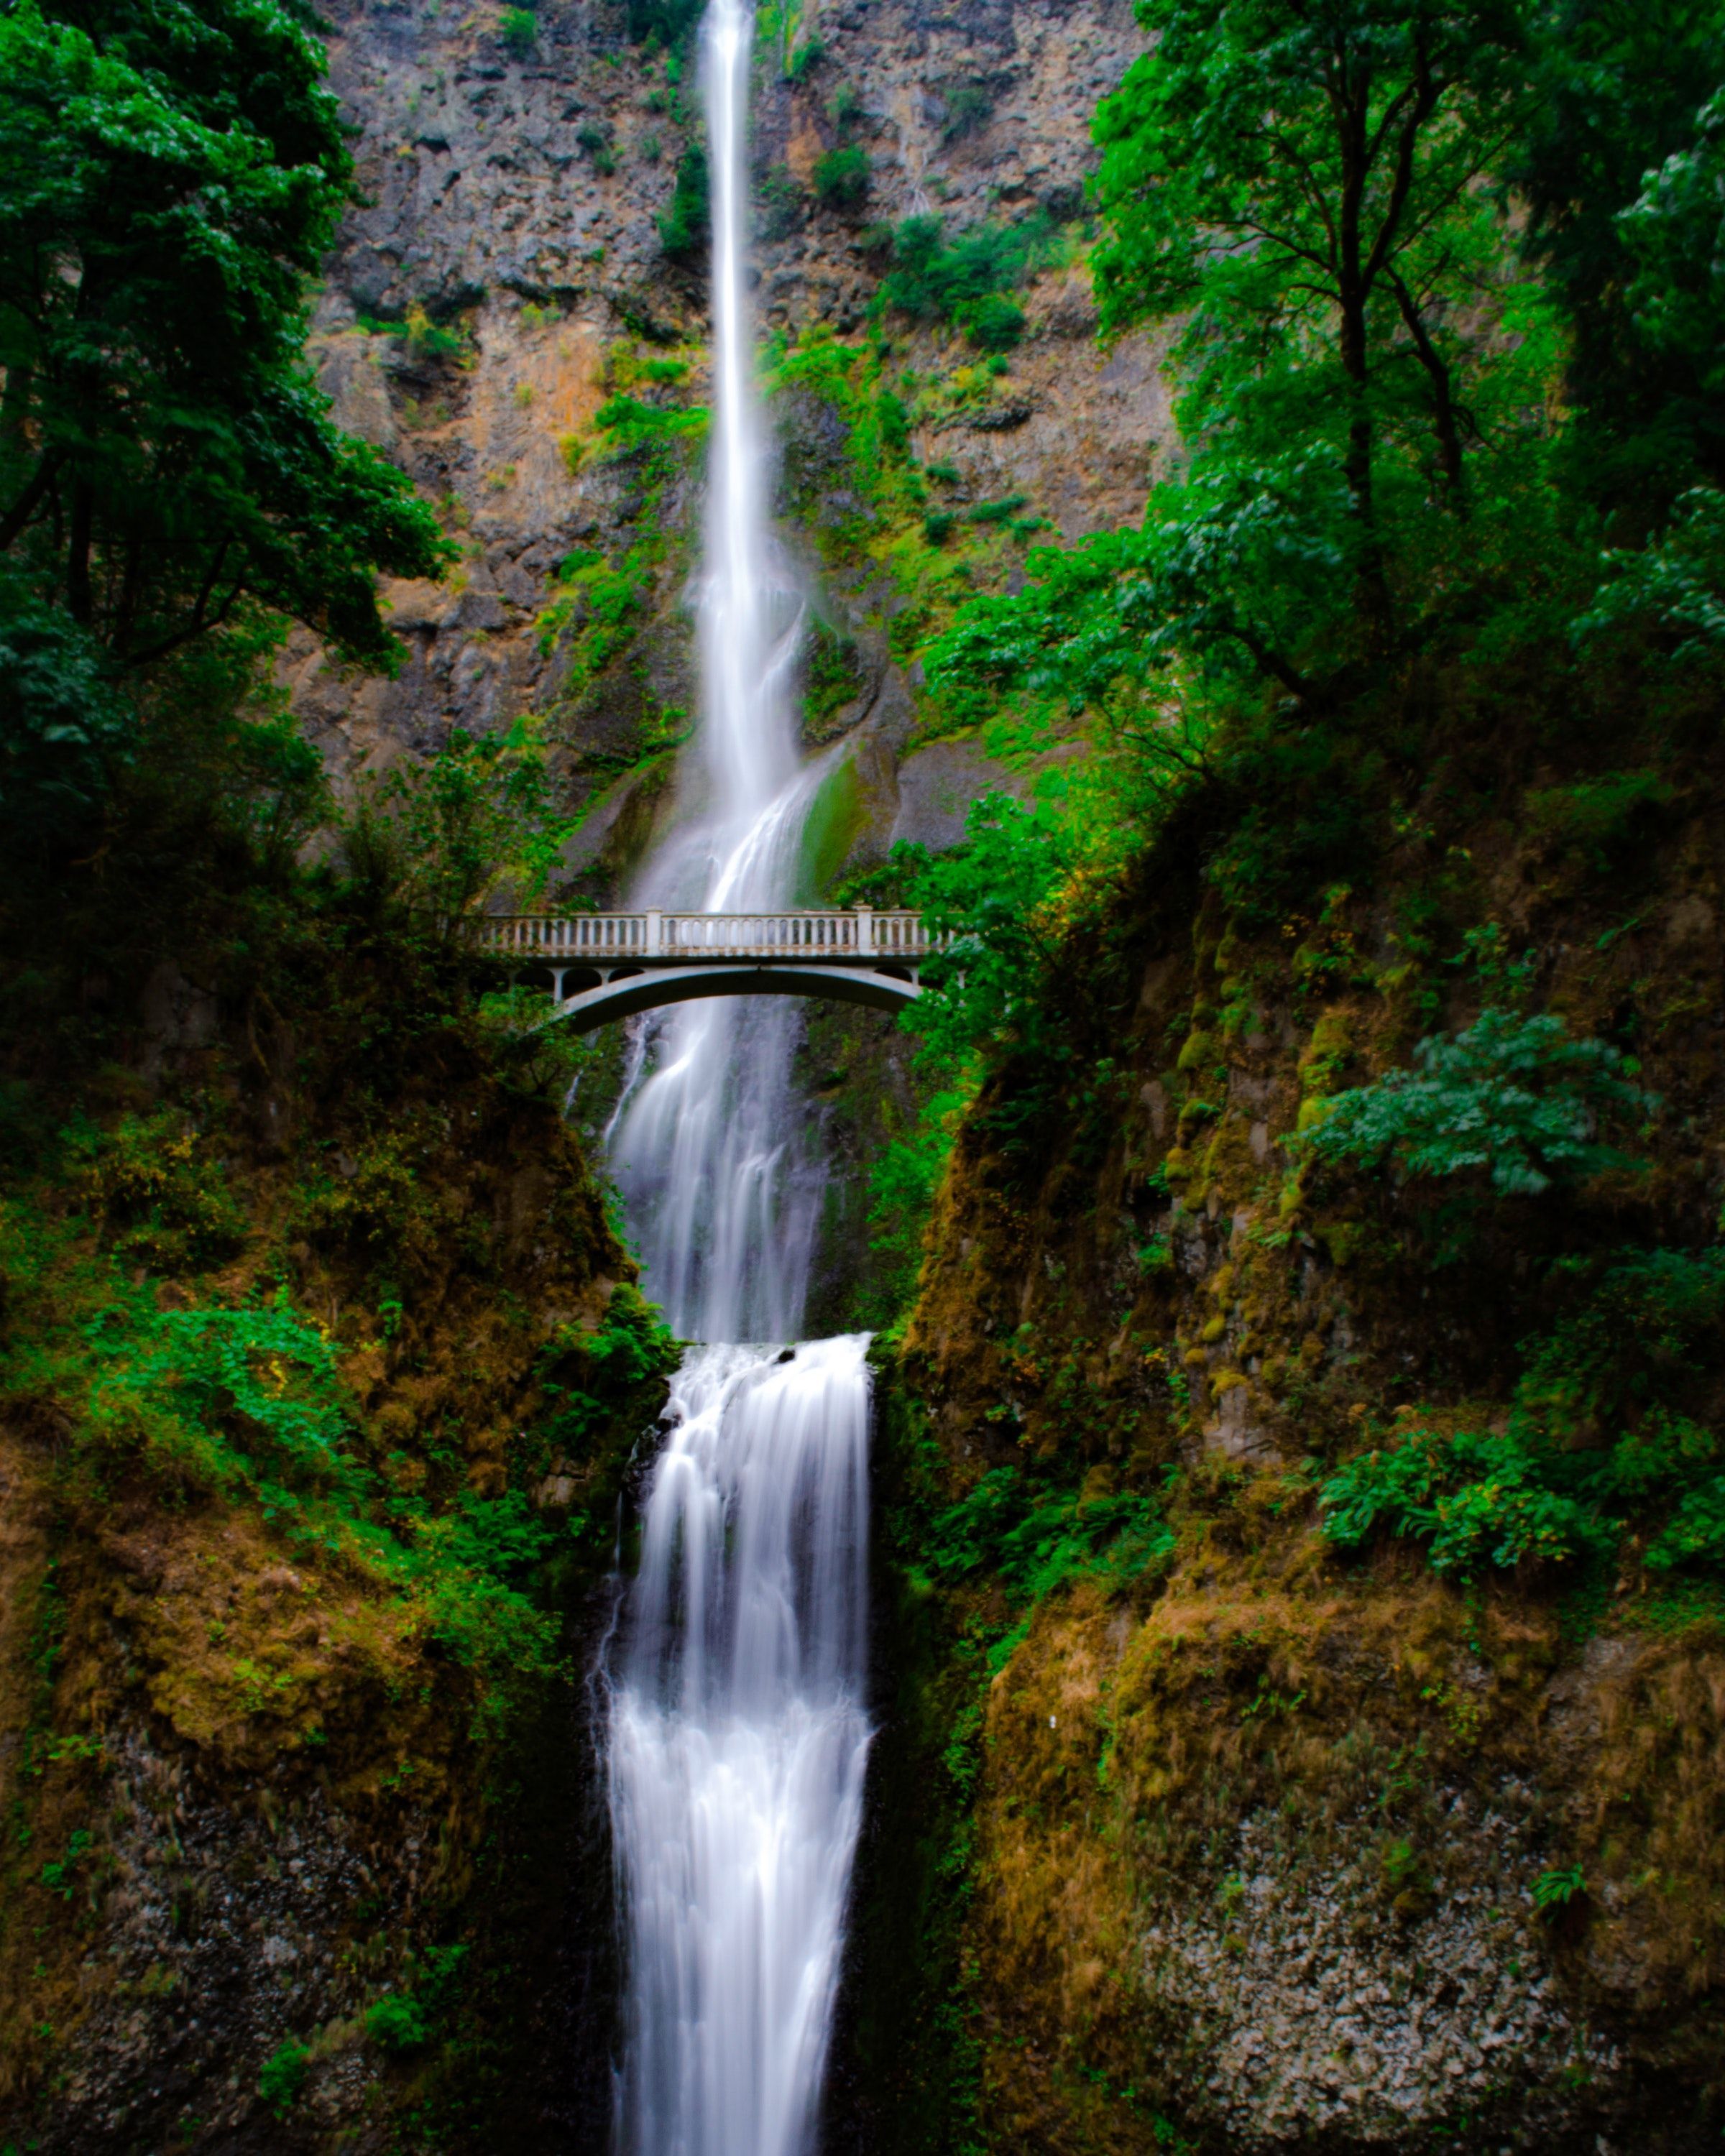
284 2076
965 280
1474 1499
686 226
159 1195
1599 819
596 141
394 2022
1609 1435
993 323
668 22
841 179
968 107
1515 1098
1035 1540
519 31
1002 511
778 204
632 425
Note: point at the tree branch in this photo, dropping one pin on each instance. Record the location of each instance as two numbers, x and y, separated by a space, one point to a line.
30 500
1443 401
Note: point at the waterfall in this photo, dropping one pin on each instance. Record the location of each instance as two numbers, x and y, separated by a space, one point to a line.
737 1734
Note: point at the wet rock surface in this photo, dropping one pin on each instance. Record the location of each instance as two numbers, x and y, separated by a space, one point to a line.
1310 2005
226 1933
508 244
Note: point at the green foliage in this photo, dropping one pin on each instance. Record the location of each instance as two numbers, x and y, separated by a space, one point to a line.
67 724
1677 297
1676 584
841 178
586 1375
1474 1499
169 181
284 2076
1599 819
60 1877
902 1185
992 898
1557 1889
159 1196
1612 165
632 425
406 2020
601 148
394 2023
1610 1435
436 839
668 22
247 1402
592 596
967 280
685 228
518 31
1035 1540
1517 1098
969 107
779 204
1307 184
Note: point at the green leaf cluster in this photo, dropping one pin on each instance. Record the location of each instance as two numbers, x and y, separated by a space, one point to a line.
247 1403
435 839
840 178
171 177
1518 1100
968 280
686 226
1611 1435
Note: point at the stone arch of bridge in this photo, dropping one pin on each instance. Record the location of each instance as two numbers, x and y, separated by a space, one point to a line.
624 994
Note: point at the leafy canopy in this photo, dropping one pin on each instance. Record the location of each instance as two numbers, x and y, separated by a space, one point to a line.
170 179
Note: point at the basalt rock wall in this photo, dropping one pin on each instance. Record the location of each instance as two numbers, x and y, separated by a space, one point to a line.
505 279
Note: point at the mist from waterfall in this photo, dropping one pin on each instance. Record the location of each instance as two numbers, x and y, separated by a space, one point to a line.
737 1734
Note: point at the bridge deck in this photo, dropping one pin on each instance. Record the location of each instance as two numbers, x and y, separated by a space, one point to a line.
809 937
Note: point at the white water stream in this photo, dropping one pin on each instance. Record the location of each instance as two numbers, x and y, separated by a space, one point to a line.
738 1734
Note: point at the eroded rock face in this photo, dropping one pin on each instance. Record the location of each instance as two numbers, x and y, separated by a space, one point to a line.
225 1937
510 231
1306 2008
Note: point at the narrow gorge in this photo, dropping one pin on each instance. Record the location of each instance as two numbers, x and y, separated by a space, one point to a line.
1090 1521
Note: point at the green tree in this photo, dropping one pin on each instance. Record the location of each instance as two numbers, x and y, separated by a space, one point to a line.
170 178
1618 87
1304 181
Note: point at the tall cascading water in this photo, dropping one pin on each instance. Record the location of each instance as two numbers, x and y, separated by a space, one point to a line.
738 1734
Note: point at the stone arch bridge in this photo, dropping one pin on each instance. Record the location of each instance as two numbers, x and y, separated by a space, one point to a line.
605 966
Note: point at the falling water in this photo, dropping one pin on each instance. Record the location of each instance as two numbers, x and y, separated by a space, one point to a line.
738 1735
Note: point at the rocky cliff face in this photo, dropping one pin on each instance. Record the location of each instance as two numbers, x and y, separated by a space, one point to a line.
1238 1840
507 281
282 1739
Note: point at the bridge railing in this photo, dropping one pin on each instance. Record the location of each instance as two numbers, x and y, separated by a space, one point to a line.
810 936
